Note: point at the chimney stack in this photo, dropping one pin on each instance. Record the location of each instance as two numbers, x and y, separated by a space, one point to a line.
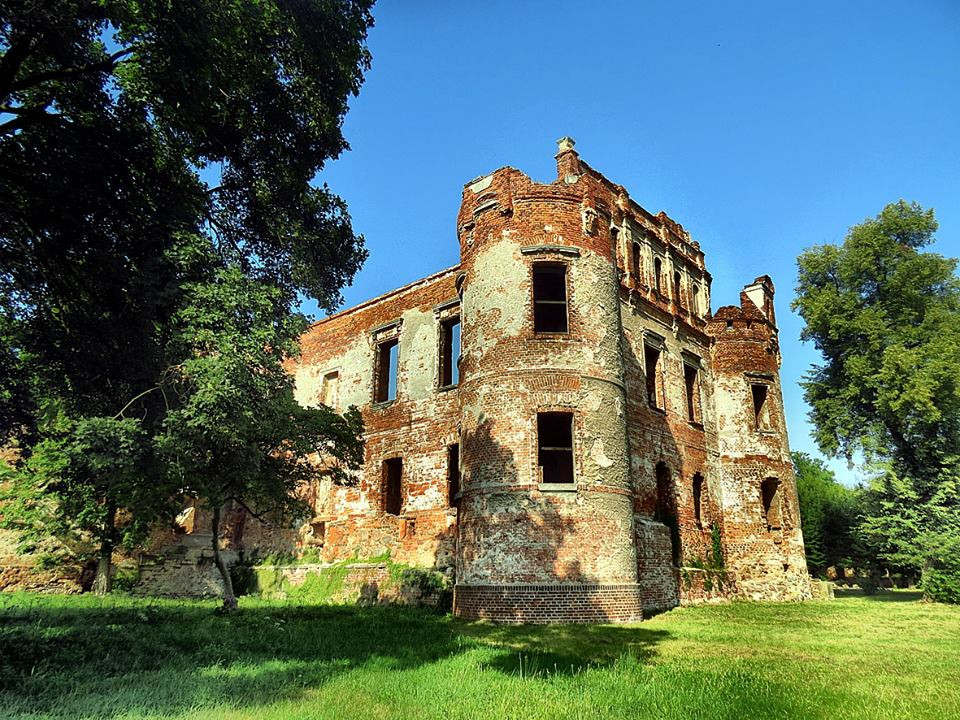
568 162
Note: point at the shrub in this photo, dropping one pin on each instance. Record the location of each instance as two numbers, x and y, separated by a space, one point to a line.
941 578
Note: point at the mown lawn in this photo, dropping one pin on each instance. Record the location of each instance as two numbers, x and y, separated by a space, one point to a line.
887 656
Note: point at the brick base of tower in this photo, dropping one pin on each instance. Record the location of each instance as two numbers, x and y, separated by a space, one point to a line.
554 603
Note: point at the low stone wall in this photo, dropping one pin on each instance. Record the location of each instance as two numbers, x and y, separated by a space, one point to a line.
364 583
699 586
27 578
568 603
821 589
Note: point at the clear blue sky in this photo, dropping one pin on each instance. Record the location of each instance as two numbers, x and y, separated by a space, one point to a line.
763 128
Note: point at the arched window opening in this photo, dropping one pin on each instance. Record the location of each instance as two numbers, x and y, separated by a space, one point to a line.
657 273
676 289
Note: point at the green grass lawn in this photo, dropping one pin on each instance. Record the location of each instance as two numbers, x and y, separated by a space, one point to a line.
886 656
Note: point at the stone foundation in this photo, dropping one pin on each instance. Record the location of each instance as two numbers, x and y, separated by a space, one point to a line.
549 603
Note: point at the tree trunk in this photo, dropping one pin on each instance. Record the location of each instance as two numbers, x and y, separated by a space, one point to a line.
103 581
229 599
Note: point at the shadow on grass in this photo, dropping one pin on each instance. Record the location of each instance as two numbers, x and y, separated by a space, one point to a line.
531 650
893 596
83 657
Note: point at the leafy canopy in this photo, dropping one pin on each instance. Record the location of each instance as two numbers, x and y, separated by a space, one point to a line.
885 315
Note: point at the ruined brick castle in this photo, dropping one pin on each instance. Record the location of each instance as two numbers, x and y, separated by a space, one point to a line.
559 421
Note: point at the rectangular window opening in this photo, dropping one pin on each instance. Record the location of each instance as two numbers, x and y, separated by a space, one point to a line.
691 382
555 447
329 389
637 262
770 497
677 285
651 362
761 411
549 298
449 352
387 355
393 486
698 499
453 475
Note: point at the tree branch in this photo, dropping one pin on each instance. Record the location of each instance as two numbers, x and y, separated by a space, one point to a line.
107 65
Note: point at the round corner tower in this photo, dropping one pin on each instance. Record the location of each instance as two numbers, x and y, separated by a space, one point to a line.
761 518
546 515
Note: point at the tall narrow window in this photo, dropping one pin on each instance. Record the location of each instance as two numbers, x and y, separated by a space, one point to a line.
393 486
329 388
449 352
549 298
665 510
677 298
651 362
657 275
637 267
555 447
695 304
386 385
698 499
691 384
453 475
761 411
770 498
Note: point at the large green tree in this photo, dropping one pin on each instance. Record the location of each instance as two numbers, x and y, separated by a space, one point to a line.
146 148
885 314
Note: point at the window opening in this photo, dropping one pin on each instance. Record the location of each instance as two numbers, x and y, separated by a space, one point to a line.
555 447
665 512
696 300
387 355
449 352
549 298
637 262
651 361
676 289
691 382
453 475
393 486
329 389
698 499
657 272
770 497
761 411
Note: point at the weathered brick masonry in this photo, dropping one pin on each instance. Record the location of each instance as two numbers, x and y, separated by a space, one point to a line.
601 430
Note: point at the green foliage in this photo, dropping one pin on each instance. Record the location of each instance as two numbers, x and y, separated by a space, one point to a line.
886 317
159 221
72 485
829 512
941 576
716 547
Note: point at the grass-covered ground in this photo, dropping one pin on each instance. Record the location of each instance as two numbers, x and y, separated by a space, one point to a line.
855 657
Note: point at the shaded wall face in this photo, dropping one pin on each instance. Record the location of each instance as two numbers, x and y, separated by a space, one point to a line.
513 528
417 426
